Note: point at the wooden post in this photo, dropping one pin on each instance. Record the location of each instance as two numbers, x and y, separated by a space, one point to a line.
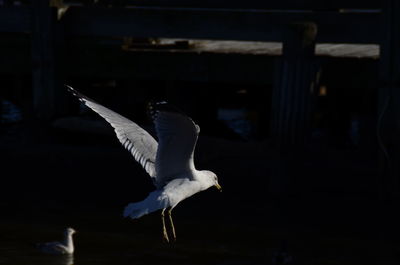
294 85
46 84
389 104
292 98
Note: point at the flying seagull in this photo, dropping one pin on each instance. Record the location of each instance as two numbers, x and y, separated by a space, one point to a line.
168 162
63 247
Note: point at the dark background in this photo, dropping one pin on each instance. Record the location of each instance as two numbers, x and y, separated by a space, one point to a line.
331 199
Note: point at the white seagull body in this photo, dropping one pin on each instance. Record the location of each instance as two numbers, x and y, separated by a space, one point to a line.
59 247
168 162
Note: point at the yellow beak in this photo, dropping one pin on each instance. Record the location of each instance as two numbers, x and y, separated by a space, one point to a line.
218 187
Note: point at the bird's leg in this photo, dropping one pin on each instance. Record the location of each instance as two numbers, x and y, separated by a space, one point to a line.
172 223
165 234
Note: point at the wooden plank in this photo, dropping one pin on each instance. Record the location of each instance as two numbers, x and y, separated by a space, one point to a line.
257 4
219 24
15 19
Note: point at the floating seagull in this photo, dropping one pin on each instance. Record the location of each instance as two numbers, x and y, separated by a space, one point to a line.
168 162
63 247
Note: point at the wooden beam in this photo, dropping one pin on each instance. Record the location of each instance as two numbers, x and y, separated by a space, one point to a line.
259 4
295 82
292 103
219 24
15 19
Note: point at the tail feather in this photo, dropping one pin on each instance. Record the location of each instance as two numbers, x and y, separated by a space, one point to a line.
135 210
155 201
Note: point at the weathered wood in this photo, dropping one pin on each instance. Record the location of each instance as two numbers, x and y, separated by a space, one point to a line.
15 19
208 22
389 104
219 24
291 103
44 73
256 4
295 82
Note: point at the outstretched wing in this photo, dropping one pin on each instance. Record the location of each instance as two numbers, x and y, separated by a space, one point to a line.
135 139
177 136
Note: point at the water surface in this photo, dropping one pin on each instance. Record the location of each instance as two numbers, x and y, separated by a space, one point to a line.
139 242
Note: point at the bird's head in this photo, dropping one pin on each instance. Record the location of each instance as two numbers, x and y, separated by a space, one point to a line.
69 231
212 177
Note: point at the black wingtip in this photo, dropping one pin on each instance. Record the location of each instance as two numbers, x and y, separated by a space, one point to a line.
151 110
72 90
76 93
154 107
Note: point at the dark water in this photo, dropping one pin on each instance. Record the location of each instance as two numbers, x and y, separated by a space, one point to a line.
118 241
242 225
107 238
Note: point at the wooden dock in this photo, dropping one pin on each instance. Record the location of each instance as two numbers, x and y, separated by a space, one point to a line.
54 40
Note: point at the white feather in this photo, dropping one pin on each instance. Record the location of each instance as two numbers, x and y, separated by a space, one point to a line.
169 162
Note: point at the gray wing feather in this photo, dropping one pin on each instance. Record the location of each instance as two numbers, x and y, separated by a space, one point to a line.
177 136
135 139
